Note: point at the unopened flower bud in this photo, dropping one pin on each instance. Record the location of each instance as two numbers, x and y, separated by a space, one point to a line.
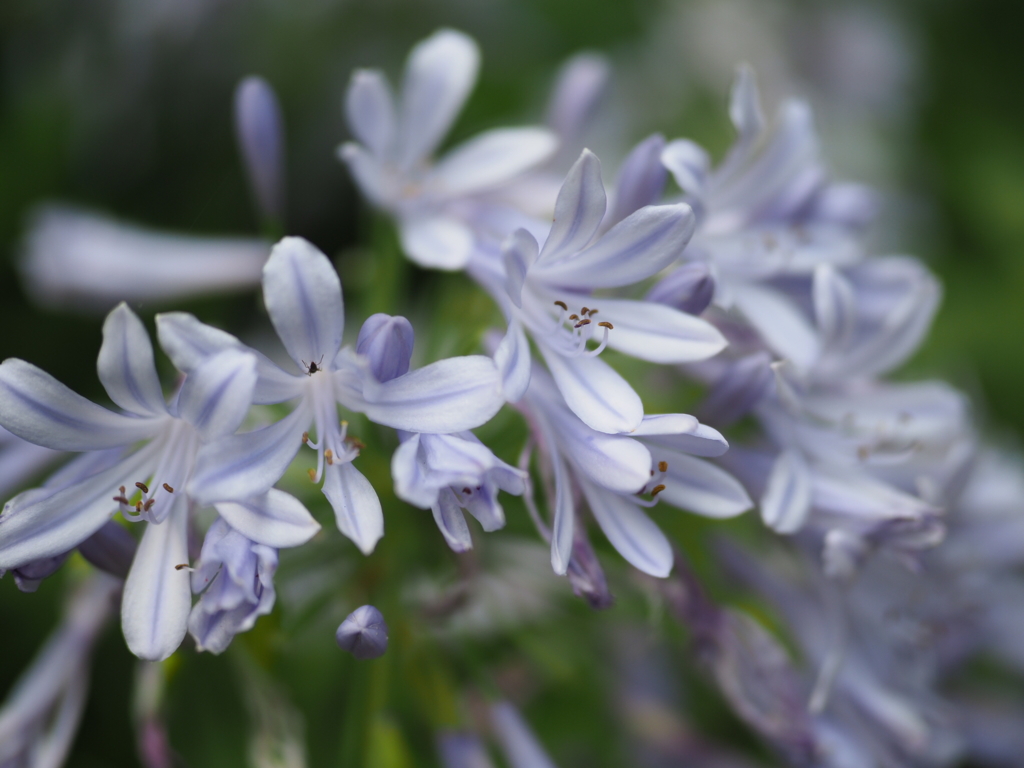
689 288
387 341
110 549
364 633
260 132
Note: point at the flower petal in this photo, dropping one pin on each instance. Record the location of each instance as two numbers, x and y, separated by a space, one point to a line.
564 523
579 85
488 160
745 104
447 396
640 182
579 209
616 462
438 242
44 522
357 509
189 342
376 183
835 307
451 521
702 440
639 246
783 328
595 392
701 487
259 129
158 595
239 467
630 531
216 396
787 498
125 364
658 333
519 252
387 343
439 74
38 408
514 362
303 296
276 519
666 424
370 110
689 164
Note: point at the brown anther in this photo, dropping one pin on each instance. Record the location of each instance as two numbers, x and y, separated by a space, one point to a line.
863 453
574 317
179 566
122 490
563 305
584 311
581 323
356 443
168 488
663 466
652 473
593 312
312 474
656 490
329 456
606 324
467 490
120 499
149 505
305 437
138 506
142 487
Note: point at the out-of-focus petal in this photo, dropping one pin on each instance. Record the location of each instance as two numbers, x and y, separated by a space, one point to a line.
689 288
835 306
514 362
640 182
489 159
581 80
260 132
303 296
438 242
276 519
369 173
357 509
689 165
519 744
370 110
519 252
780 324
787 498
745 104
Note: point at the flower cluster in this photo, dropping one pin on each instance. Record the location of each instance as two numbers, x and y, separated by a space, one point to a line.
751 278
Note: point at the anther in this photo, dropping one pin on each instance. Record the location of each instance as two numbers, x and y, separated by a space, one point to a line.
149 504
168 488
606 324
662 466
181 566
584 311
312 474
305 438
592 312
562 304
329 456
581 323
467 490
574 316
657 489
142 487
356 443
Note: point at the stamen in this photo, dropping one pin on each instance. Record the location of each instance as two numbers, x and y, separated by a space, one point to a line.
662 467
593 312
581 323
142 487
584 311
574 317
312 474
563 305
605 324
305 438
329 456
148 505
183 567
168 488
657 489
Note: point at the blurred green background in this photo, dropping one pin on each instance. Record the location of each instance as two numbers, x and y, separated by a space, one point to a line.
125 107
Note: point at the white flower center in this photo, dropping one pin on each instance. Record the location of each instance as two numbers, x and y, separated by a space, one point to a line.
332 444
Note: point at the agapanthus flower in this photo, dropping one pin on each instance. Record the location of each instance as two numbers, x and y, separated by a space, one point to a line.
391 163
303 296
159 444
234 578
548 291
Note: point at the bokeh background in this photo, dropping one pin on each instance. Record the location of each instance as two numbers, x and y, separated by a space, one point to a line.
125 107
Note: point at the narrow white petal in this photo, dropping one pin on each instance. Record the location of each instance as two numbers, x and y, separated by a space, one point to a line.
633 534
189 343
580 83
640 182
595 392
579 209
666 424
834 306
370 110
303 296
438 242
701 487
48 523
357 509
238 467
411 476
447 396
639 246
745 104
689 165
616 462
216 396
787 497
564 523
519 252
125 364
157 595
38 408
488 160
782 326
452 522
702 440
514 362
439 74
659 333
276 519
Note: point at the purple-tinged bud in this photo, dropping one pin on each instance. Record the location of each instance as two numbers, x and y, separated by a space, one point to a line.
585 573
260 133
689 288
462 750
29 576
741 386
580 84
387 341
110 549
641 180
364 633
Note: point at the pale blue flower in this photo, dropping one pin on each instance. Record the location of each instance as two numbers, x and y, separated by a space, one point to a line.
212 401
234 578
303 297
391 161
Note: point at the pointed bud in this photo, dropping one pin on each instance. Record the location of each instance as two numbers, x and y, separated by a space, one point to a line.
364 633
690 288
260 133
29 576
387 341
585 573
110 549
